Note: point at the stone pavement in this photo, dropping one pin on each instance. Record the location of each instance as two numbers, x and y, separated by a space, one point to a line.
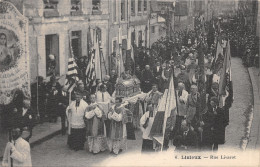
243 97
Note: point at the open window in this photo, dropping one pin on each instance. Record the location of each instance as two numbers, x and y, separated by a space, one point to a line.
145 5
76 43
52 55
132 7
76 8
50 8
139 6
123 11
96 7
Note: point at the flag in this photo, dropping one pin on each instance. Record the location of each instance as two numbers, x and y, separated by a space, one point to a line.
167 108
90 71
97 60
218 58
225 84
121 67
132 54
89 43
72 75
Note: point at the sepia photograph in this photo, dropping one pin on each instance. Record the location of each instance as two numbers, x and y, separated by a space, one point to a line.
129 83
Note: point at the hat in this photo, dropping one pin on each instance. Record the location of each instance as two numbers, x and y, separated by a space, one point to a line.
194 86
106 77
52 57
182 67
78 92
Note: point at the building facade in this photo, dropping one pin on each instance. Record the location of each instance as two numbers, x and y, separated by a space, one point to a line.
62 27
57 27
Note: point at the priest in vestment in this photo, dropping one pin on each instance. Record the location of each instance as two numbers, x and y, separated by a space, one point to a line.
75 113
104 100
146 123
117 138
96 131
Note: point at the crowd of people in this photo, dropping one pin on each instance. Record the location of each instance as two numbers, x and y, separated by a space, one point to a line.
99 119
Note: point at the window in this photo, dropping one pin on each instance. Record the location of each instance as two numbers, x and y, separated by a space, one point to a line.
76 43
122 10
96 6
99 35
75 7
50 8
114 11
52 54
114 46
132 7
140 39
153 29
133 38
139 5
50 4
145 5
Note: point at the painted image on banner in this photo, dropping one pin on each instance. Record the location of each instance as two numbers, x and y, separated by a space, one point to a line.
9 49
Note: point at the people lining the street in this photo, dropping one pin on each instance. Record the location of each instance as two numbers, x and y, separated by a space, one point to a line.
99 116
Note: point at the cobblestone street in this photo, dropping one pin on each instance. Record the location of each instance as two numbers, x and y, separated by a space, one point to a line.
56 153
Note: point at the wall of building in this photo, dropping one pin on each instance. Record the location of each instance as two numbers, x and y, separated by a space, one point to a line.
62 25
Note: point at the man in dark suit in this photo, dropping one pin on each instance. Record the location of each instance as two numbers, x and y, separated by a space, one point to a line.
112 79
157 73
187 139
147 79
24 118
53 92
63 103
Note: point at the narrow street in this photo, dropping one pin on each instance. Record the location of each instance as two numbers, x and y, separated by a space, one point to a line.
56 153
243 97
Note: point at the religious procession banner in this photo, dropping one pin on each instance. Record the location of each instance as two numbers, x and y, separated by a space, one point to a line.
14 55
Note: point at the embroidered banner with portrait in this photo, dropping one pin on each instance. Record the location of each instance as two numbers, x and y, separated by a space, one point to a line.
14 55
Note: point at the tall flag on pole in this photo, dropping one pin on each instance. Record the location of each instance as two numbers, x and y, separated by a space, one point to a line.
167 110
72 73
218 56
90 70
89 43
97 59
225 84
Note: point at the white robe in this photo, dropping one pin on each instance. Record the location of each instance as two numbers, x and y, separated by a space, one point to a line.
77 113
146 131
21 156
182 107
